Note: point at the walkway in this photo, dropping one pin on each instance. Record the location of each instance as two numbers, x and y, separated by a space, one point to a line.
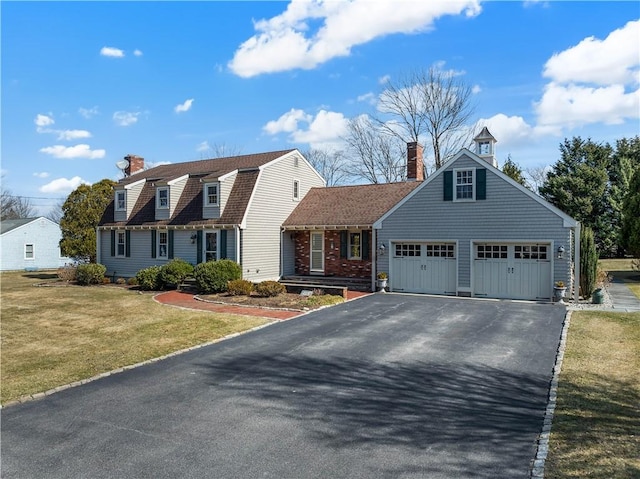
622 298
188 301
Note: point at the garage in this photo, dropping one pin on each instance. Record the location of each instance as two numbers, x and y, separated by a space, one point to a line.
512 271
424 267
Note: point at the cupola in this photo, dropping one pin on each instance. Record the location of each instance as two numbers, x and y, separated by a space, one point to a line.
485 147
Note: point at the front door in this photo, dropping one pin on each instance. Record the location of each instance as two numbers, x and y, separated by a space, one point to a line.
211 246
317 252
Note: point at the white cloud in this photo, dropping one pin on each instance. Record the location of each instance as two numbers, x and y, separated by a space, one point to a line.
384 79
41 174
186 106
43 120
72 134
204 146
77 151
615 59
286 41
324 130
475 89
88 113
63 185
595 81
287 122
137 52
111 52
126 118
508 130
368 98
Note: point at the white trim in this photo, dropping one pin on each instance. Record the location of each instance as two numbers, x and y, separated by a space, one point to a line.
206 194
123 192
124 251
38 218
473 185
158 190
157 245
176 180
135 183
33 251
311 270
296 189
568 220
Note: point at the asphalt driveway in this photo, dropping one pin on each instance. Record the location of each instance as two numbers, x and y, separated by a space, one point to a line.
385 386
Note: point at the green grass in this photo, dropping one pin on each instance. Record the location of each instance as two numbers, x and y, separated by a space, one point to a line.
596 428
54 335
622 269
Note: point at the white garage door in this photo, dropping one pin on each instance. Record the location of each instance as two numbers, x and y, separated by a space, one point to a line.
512 271
423 268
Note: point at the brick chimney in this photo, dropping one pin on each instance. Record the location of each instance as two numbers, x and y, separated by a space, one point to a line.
136 164
415 163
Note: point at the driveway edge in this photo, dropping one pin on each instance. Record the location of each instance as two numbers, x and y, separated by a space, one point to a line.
537 472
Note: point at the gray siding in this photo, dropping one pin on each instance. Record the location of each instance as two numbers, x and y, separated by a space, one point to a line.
175 192
45 237
272 204
141 246
507 214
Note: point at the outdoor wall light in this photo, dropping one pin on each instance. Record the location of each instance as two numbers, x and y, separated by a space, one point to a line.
560 252
194 236
381 249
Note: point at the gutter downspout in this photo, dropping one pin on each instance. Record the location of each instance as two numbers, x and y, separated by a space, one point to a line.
576 266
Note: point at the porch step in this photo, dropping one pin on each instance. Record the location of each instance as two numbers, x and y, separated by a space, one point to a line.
353 284
189 285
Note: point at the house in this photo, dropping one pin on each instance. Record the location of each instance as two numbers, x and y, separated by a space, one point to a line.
31 244
470 230
333 227
205 210
467 230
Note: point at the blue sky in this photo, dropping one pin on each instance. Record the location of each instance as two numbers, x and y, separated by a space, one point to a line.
86 83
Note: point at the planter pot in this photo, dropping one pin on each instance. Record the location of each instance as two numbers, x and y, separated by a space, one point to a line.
382 285
558 294
598 296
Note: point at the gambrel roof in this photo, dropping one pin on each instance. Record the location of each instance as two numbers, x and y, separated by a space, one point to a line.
347 206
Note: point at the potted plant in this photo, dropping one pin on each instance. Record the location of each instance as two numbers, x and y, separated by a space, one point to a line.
559 290
382 281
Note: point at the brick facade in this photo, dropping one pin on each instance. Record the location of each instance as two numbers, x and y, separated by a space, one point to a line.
334 265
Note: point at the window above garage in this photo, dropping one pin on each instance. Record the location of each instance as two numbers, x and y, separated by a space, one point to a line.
465 184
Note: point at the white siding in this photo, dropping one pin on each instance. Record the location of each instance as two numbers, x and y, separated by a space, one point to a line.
271 205
507 214
44 235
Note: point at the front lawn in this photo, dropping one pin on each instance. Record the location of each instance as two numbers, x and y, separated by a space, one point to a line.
54 335
596 428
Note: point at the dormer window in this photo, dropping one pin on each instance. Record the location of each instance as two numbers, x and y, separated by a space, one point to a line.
121 200
211 194
162 198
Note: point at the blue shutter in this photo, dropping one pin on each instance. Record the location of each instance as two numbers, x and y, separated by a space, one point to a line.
153 243
127 243
365 244
448 185
199 246
113 242
223 244
343 243
481 184
170 239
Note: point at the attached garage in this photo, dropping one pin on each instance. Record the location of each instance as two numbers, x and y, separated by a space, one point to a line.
515 271
424 267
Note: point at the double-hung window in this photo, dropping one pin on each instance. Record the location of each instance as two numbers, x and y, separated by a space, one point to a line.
296 189
464 185
121 200
121 243
29 251
211 194
163 242
163 198
355 245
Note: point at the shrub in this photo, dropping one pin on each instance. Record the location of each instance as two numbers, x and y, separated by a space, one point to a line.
239 287
270 288
132 282
214 276
588 262
90 273
106 280
149 278
67 272
174 272
121 281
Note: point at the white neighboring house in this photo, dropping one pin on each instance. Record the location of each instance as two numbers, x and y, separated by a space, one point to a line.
30 244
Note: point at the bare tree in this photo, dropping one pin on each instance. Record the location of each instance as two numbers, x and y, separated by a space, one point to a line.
15 207
536 176
56 213
428 103
221 150
330 165
375 156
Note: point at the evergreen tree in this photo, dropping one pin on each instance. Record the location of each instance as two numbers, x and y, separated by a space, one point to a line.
82 212
588 262
513 170
631 217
